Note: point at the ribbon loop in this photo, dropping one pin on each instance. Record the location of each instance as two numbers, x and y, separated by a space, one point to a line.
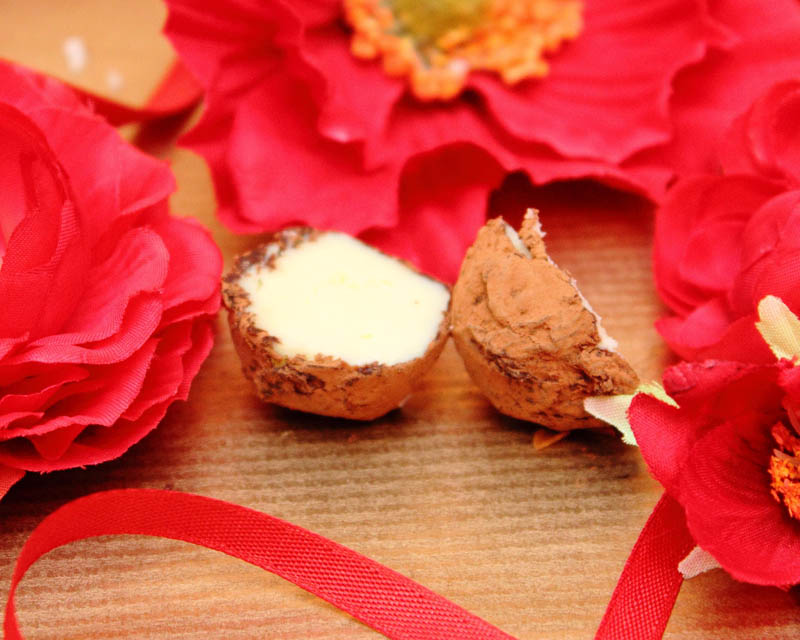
377 596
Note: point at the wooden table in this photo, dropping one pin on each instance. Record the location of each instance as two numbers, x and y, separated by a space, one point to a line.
445 491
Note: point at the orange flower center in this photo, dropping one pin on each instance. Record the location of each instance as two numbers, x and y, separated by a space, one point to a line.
784 465
436 43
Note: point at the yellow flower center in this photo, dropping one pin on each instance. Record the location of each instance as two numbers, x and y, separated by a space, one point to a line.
436 43
784 465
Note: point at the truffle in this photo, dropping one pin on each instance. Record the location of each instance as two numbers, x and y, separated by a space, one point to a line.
325 324
529 339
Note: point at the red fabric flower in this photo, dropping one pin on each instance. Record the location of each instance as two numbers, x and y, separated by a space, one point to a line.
713 455
108 302
708 95
724 242
296 129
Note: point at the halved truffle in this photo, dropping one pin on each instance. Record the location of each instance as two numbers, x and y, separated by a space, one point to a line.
326 324
529 340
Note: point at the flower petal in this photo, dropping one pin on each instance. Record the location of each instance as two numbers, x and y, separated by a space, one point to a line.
729 509
97 444
739 341
130 181
99 401
32 392
195 263
770 255
681 268
709 95
667 434
277 173
606 95
44 248
316 12
414 129
358 96
443 199
227 30
766 140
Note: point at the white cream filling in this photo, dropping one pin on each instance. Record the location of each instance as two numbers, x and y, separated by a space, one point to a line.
516 241
607 343
338 297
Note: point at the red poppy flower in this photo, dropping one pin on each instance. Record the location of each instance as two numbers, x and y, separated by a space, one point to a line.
404 150
724 242
730 455
108 302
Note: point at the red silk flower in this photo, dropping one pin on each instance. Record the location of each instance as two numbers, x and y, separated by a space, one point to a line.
714 453
297 129
707 96
724 242
108 303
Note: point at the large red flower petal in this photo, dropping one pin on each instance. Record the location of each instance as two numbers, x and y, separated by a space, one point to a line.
414 130
317 12
129 183
730 511
443 200
607 93
100 399
358 96
279 172
760 256
139 264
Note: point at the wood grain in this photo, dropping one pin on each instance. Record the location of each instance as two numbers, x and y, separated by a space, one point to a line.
445 491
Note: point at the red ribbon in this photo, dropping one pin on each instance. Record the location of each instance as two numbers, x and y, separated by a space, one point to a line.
645 594
377 596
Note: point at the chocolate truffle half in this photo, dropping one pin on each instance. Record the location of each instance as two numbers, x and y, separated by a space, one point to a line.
326 324
529 339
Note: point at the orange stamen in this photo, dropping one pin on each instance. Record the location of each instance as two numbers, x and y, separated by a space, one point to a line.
437 43
784 466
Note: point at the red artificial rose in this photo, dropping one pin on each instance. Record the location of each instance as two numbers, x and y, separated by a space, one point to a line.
108 303
713 455
297 129
722 243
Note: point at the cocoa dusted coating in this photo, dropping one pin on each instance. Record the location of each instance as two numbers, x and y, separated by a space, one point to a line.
525 336
323 385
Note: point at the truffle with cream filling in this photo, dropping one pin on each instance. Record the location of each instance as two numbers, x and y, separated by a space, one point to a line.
326 324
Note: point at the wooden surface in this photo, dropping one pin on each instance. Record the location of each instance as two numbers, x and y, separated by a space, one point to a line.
445 491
